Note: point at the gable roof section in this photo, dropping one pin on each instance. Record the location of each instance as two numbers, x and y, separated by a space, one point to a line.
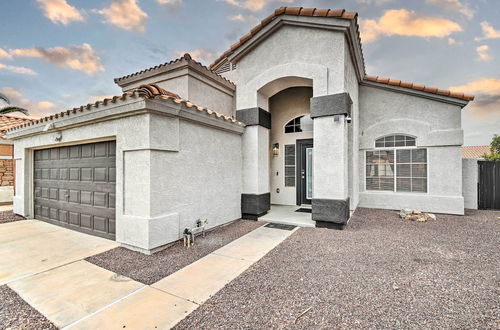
291 11
186 59
422 88
149 91
475 152
339 14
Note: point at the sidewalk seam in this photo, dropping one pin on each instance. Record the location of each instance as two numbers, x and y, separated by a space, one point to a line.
104 307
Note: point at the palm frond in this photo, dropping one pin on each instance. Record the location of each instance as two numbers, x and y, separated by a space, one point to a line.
5 98
10 109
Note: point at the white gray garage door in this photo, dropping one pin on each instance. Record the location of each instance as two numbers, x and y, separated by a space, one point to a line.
75 187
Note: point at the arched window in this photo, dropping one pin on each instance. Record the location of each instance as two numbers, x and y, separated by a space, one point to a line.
399 167
391 141
299 124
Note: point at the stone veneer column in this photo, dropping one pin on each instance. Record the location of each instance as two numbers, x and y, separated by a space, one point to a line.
255 197
330 203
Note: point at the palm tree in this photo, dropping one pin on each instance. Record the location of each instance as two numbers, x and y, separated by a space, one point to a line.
10 108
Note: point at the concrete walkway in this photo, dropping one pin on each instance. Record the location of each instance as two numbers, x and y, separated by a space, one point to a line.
168 301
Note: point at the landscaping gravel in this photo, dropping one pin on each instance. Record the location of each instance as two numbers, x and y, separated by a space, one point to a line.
9 216
151 269
15 313
380 272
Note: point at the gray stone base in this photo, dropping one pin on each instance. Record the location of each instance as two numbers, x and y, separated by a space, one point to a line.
329 225
330 211
255 205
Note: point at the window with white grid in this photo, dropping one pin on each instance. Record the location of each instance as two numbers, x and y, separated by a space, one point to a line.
396 164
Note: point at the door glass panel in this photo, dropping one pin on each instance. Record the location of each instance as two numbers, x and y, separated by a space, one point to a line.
309 173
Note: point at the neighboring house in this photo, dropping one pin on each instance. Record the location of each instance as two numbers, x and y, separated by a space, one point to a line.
286 116
6 157
475 152
470 173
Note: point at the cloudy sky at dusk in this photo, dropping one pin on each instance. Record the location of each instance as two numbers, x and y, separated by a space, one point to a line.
57 54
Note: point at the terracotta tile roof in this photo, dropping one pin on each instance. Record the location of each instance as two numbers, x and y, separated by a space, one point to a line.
423 88
292 11
9 121
186 57
475 151
149 91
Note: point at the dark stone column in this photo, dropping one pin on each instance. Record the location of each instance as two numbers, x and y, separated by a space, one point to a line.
255 205
331 105
330 213
254 116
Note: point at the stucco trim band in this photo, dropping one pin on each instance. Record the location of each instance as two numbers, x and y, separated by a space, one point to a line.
330 105
254 116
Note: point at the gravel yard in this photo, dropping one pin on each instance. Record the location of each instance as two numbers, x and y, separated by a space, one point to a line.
150 269
380 272
9 216
15 313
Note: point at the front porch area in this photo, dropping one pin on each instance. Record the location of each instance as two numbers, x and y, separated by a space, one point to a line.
286 214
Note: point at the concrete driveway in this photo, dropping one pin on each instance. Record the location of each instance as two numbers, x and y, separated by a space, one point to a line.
29 247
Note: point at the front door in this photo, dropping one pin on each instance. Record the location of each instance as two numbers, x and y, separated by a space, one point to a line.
304 171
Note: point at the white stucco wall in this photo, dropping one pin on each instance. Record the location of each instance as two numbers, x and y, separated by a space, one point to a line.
291 51
285 106
470 180
169 171
436 126
211 97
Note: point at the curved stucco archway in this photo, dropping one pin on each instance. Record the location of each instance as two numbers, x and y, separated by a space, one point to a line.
257 91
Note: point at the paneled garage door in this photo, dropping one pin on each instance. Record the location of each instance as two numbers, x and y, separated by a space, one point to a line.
75 187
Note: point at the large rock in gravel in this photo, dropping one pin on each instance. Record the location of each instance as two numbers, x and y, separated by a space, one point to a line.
416 215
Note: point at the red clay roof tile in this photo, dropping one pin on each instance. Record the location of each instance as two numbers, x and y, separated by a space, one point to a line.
423 88
307 11
475 152
336 12
293 11
10 121
186 57
321 12
148 91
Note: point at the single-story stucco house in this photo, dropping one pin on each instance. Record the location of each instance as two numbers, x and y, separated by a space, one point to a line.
286 116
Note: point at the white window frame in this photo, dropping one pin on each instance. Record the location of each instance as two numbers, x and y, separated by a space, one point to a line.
294 166
394 191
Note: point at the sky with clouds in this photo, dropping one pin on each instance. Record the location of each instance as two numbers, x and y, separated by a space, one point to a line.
58 54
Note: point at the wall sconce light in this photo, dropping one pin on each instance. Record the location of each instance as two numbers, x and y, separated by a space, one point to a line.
276 149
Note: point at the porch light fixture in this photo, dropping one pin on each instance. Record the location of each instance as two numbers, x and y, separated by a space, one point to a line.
276 149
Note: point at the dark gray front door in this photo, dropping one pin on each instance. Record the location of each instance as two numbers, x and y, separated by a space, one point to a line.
304 171
74 187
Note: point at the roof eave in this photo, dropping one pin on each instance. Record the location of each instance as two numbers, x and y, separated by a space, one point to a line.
432 96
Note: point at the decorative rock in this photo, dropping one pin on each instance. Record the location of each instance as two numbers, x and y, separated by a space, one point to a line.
431 216
415 215
404 213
